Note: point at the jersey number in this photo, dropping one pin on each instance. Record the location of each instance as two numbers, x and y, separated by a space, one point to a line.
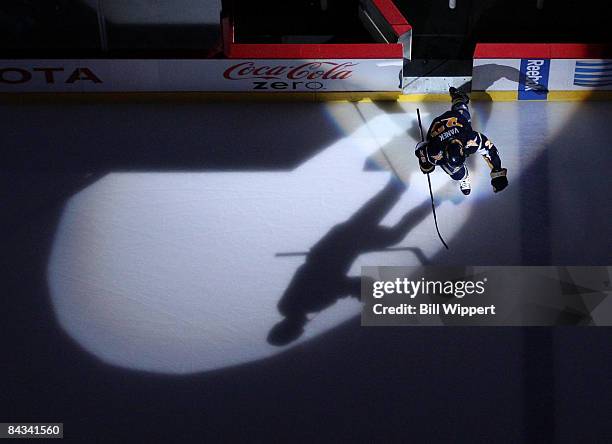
440 127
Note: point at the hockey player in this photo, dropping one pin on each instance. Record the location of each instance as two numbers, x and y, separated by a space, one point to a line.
451 139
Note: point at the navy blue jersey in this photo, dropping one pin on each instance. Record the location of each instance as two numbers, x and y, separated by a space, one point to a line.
450 126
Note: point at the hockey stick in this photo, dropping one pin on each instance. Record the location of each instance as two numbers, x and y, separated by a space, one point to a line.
433 207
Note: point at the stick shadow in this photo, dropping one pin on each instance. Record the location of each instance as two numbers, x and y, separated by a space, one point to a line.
322 279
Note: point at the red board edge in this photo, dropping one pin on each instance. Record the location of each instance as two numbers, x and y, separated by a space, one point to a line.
542 50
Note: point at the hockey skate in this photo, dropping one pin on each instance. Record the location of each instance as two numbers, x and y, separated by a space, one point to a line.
458 97
465 185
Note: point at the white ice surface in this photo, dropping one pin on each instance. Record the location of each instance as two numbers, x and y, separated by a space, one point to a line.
176 272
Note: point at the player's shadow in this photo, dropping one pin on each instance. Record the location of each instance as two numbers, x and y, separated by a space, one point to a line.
322 279
490 73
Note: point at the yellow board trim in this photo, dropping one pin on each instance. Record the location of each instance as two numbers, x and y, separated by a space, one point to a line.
190 97
496 96
424 97
553 96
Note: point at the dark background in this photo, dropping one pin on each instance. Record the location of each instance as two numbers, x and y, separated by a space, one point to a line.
27 26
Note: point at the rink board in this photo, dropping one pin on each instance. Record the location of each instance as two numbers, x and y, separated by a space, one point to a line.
542 71
195 75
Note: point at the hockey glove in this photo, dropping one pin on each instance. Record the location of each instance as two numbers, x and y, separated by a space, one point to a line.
499 181
426 166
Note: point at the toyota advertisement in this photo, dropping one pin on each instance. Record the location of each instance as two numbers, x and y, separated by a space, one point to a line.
200 75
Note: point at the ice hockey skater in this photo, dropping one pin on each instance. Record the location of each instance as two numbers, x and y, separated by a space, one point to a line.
451 139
